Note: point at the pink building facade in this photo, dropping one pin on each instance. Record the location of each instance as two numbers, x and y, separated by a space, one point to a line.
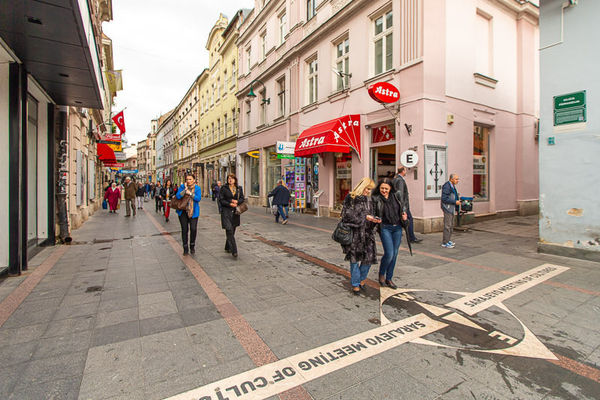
467 72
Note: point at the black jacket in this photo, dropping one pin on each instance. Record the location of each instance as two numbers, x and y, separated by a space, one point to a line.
378 207
400 187
172 192
140 191
281 196
229 219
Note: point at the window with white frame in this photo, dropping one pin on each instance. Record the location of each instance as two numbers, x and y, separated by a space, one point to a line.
233 73
233 122
312 77
342 63
484 44
383 42
282 27
263 45
281 96
248 111
263 107
311 8
248 55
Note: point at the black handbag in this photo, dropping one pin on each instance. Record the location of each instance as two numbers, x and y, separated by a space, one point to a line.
342 234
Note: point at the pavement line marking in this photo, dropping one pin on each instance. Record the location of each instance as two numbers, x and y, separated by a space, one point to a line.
271 379
455 260
577 367
563 362
16 297
257 349
478 301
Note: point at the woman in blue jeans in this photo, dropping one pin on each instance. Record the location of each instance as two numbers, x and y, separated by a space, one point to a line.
391 208
357 213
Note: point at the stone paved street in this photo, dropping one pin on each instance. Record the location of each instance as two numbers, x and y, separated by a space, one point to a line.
122 314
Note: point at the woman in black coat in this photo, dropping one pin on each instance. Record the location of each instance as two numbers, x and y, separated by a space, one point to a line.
230 196
358 214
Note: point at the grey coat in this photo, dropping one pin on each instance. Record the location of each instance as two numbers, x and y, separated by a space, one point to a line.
354 214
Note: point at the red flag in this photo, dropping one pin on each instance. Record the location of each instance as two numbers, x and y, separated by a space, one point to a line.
120 121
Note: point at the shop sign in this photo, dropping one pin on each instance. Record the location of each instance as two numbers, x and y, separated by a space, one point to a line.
479 165
570 108
384 92
120 155
409 158
113 165
128 171
253 154
381 134
286 156
285 147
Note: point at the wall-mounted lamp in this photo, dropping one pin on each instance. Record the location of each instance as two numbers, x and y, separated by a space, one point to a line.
252 95
408 129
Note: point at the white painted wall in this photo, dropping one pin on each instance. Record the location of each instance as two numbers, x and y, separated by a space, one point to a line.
4 164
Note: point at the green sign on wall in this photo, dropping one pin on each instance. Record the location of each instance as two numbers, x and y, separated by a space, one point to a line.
570 108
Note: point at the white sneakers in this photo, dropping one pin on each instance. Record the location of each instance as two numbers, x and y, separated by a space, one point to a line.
449 245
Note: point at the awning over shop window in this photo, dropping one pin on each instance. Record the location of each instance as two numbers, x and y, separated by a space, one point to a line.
337 135
105 153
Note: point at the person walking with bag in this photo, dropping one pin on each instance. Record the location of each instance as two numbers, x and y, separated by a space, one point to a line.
113 196
130 191
156 196
231 196
166 193
281 199
389 205
188 218
358 215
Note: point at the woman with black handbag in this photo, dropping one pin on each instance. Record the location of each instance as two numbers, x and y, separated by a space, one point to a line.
358 215
231 197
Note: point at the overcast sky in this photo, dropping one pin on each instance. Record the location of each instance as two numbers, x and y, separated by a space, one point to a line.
160 46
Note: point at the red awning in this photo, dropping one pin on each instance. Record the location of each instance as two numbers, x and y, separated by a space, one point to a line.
338 135
105 153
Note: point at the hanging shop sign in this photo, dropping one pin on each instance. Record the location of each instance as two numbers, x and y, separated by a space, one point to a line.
285 147
409 158
128 171
384 92
253 154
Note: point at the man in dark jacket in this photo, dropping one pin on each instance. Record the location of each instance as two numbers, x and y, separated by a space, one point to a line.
449 203
281 199
216 190
400 186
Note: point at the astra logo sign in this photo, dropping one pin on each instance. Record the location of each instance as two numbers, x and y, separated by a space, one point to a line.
313 141
384 92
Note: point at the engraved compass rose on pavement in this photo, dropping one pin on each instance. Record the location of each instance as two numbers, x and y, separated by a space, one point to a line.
478 321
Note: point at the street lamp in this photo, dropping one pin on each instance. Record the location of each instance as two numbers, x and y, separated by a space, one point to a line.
252 95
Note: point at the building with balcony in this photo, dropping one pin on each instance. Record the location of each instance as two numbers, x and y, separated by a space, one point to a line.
467 79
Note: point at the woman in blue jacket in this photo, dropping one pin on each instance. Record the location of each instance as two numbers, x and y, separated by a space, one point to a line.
189 218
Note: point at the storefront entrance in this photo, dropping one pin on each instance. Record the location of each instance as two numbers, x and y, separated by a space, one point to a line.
383 152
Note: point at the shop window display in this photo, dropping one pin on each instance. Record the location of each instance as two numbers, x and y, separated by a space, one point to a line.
343 178
480 162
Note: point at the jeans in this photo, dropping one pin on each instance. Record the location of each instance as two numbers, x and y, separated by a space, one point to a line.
230 244
448 227
358 273
391 237
280 212
186 222
158 202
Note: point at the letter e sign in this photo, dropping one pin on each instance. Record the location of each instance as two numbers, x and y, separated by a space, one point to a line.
409 158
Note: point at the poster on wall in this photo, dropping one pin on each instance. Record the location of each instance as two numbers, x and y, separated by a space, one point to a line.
83 184
92 180
78 180
479 165
300 182
435 171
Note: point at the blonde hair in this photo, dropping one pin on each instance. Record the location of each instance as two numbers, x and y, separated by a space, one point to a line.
365 183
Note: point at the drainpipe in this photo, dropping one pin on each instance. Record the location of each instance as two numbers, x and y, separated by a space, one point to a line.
61 181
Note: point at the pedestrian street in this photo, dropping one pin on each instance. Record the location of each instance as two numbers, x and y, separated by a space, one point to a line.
121 313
